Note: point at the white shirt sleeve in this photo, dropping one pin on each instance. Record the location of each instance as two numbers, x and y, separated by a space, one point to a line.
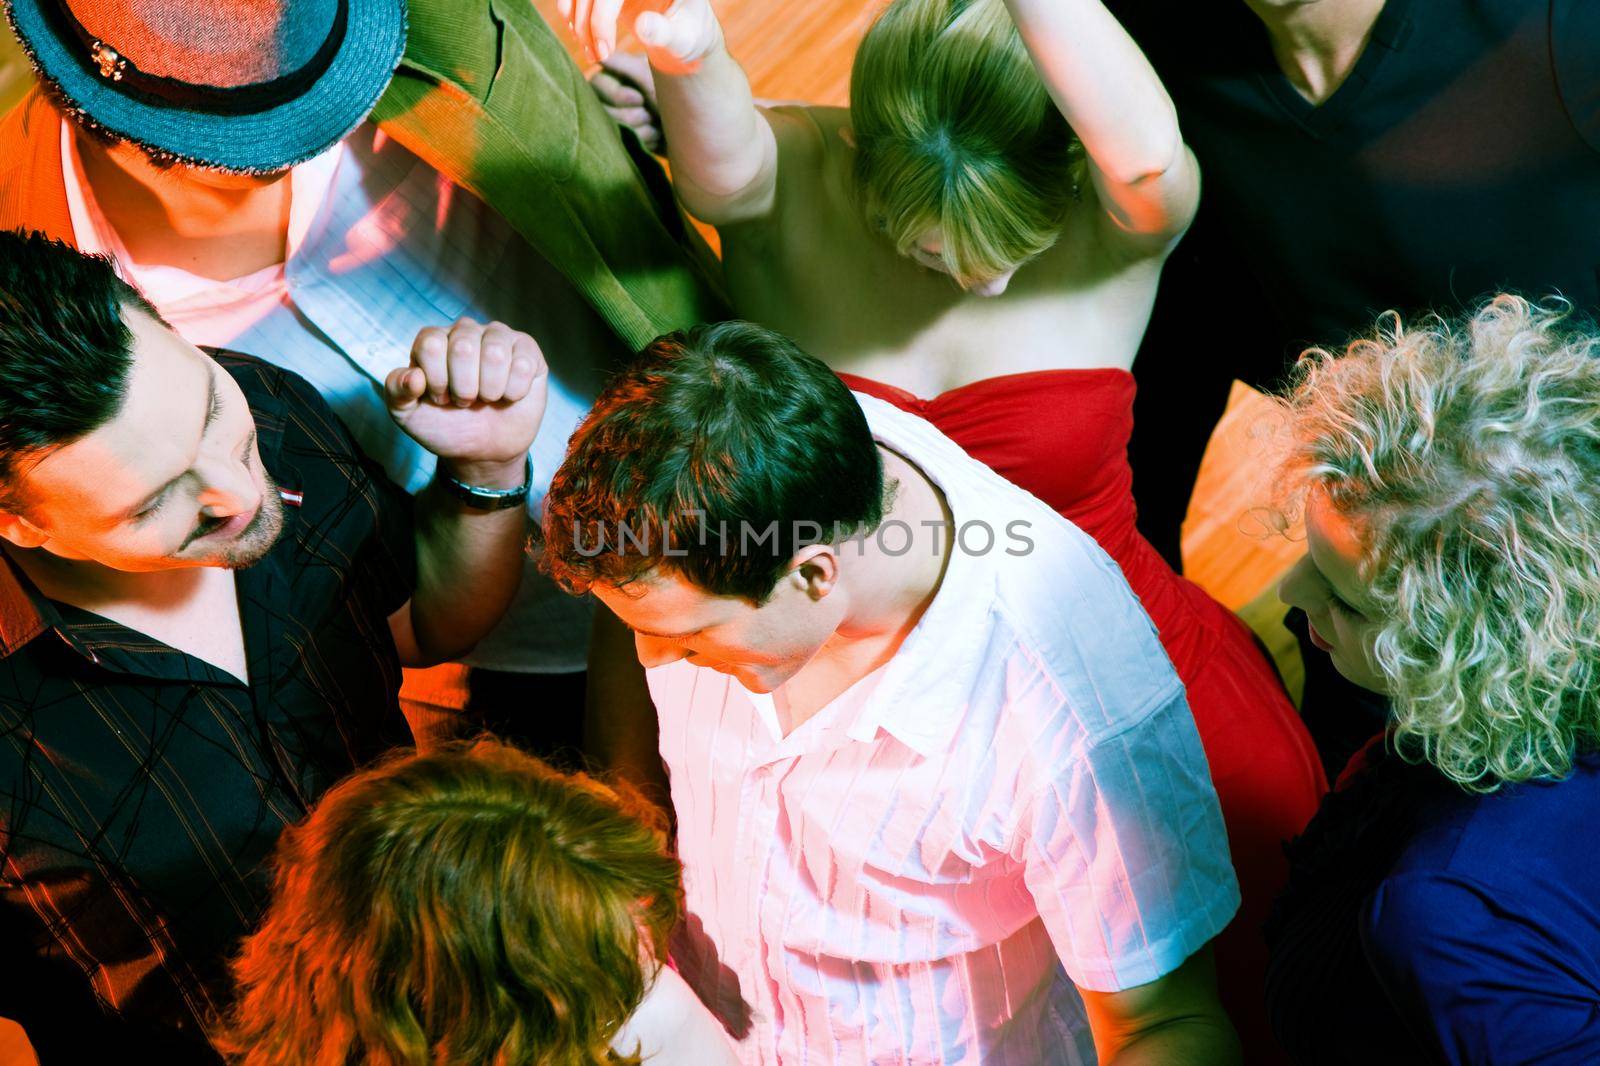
1125 853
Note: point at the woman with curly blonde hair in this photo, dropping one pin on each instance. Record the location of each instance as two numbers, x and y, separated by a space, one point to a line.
1445 902
469 905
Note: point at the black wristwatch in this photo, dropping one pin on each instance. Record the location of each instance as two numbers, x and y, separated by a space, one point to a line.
482 499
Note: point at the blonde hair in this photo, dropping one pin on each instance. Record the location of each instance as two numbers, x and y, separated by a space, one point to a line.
1468 452
466 905
954 129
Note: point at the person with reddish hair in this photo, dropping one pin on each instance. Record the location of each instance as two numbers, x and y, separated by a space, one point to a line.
470 905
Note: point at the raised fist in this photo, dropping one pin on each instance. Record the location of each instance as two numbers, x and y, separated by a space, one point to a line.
474 396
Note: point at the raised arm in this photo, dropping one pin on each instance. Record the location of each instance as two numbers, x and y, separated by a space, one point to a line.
1146 177
474 397
724 156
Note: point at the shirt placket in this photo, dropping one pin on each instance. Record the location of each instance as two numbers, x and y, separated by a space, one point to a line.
769 892
752 851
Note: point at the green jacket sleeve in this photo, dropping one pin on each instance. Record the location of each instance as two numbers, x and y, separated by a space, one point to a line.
488 96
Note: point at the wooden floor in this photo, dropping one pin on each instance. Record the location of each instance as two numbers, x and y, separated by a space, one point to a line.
801 51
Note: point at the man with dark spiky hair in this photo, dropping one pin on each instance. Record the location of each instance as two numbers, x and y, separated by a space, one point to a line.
314 181
206 596
924 744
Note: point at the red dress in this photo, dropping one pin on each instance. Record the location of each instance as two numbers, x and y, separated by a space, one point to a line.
1063 436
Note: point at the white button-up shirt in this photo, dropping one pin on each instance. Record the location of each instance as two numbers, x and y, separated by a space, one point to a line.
1016 803
380 245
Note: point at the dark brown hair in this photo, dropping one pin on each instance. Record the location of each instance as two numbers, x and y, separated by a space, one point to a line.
718 453
65 351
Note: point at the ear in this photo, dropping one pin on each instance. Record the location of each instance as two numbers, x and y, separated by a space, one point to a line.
815 568
847 135
20 531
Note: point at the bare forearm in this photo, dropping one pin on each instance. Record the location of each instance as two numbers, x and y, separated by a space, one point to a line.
721 149
1175 1019
1196 1042
1104 86
469 564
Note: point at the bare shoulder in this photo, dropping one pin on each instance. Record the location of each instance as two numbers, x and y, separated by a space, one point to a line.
801 133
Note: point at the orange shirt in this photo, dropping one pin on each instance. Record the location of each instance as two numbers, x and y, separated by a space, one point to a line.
33 193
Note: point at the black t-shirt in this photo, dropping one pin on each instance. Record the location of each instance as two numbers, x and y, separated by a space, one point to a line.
1460 158
142 790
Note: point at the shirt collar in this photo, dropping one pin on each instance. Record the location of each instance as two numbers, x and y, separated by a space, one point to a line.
24 613
922 698
310 183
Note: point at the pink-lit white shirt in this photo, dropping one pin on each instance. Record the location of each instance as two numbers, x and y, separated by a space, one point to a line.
1015 805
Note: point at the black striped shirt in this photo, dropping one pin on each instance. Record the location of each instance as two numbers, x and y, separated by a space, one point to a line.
142 789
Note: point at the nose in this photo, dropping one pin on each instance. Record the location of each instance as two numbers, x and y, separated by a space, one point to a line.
1295 587
994 286
230 487
653 651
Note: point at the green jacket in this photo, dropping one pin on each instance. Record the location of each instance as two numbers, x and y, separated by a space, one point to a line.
490 98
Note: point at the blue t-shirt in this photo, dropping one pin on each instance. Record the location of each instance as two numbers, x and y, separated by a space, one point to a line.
1485 935
1422 923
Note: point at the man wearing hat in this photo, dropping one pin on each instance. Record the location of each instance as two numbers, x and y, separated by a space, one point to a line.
313 181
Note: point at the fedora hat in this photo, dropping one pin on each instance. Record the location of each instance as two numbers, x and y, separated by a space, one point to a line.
244 85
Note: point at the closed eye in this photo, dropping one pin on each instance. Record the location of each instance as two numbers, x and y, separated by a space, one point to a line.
154 507
1339 604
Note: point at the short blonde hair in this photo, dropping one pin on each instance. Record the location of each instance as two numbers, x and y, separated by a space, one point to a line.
1468 451
954 129
469 904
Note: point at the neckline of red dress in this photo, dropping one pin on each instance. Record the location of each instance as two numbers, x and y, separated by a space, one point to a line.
1010 379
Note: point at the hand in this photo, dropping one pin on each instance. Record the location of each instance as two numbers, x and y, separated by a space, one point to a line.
626 87
675 40
474 397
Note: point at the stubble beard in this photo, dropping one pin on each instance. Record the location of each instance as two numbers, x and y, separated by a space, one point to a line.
252 545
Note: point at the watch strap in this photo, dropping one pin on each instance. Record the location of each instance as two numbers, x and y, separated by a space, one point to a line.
483 499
